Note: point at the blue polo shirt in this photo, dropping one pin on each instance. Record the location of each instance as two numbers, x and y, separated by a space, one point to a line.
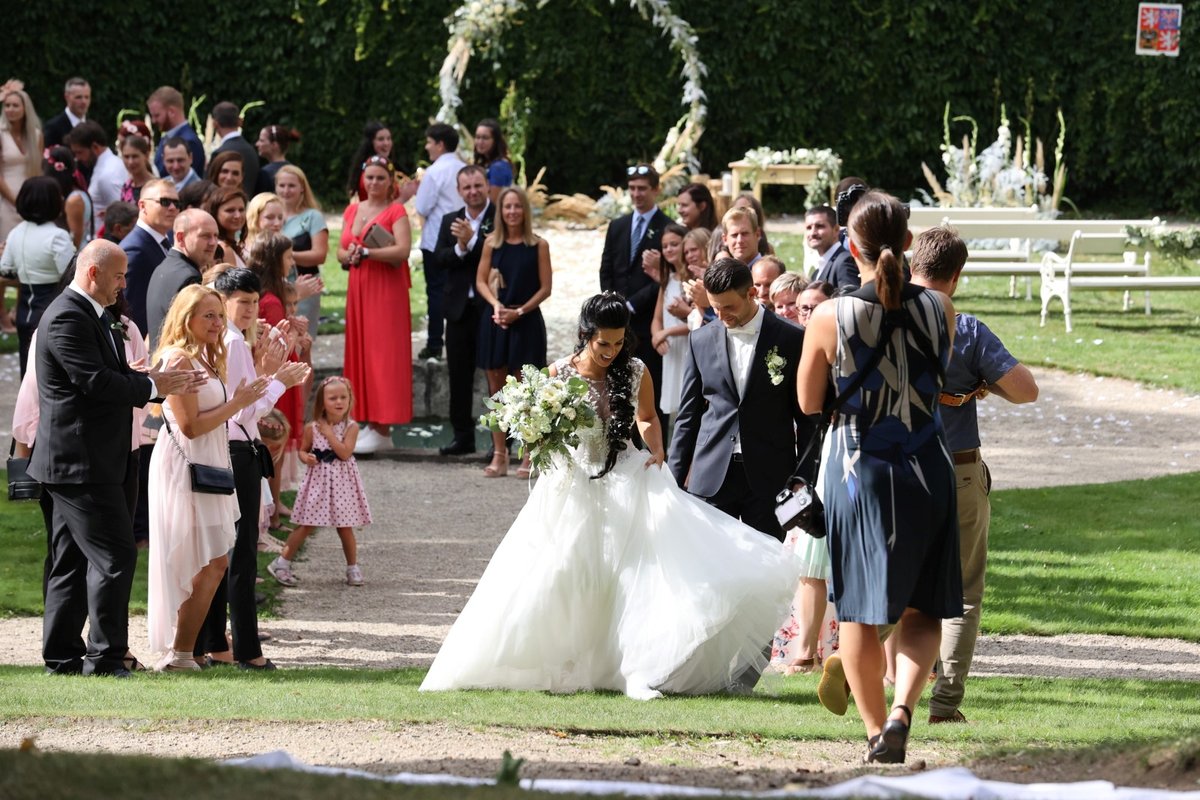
978 355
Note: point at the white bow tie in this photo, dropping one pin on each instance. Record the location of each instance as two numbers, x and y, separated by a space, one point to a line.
744 330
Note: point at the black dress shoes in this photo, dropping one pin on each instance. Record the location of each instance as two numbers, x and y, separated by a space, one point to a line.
119 672
266 666
458 447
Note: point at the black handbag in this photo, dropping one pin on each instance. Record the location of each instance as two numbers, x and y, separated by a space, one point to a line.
206 479
20 485
266 465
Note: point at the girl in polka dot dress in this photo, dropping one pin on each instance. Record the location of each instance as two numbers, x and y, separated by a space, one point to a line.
331 493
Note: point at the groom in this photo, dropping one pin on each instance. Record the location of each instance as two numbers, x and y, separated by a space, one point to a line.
739 419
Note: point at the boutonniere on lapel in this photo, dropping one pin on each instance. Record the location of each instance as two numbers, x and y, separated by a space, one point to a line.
486 225
119 329
775 366
650 233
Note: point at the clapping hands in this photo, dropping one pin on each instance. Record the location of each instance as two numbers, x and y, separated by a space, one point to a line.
176 381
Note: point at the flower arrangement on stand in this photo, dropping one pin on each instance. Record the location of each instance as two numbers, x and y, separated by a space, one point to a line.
829 166
543 413
1001 174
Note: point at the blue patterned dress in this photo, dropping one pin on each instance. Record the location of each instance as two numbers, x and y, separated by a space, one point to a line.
888 477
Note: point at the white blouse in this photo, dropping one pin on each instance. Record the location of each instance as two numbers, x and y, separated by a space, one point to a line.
39 254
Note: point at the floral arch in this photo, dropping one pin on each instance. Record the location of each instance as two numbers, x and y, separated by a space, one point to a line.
476 27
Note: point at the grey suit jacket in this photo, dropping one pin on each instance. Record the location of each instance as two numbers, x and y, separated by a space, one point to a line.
711 413
175 272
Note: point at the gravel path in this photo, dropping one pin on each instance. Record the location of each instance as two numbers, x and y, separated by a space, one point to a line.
422 563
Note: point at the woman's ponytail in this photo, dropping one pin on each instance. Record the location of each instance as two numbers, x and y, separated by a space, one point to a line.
889 278
878 225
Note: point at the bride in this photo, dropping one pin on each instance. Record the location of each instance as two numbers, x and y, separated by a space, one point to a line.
612 577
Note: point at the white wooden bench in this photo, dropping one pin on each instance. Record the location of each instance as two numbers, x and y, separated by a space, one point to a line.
1062 274
928 216
1056 229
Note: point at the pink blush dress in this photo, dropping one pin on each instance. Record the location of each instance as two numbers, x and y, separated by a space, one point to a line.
331 495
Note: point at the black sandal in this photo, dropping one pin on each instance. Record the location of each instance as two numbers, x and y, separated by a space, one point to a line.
888 747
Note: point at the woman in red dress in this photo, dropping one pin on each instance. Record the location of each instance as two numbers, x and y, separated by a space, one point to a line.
378 359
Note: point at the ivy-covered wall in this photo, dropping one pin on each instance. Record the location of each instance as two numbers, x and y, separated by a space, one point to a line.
868 79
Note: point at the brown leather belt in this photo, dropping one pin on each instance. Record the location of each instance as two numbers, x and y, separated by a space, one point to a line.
962 457
956 400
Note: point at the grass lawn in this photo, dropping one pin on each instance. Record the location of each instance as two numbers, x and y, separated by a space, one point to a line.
23 542
1162 349
1074 712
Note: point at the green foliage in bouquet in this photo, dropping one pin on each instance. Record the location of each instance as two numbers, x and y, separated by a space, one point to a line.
543 413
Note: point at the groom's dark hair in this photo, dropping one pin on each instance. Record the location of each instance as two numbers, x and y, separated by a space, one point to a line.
726 274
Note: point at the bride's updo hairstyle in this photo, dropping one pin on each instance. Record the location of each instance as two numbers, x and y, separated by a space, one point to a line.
608 310
878 226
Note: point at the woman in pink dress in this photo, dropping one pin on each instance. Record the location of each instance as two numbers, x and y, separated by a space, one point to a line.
378 359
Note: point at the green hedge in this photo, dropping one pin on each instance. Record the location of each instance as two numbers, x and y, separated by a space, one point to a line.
869 79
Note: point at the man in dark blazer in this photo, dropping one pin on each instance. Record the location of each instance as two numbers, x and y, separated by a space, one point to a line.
739 419
228 123
822 234
78 96
148 243
192 254
82 456
628 239
459 246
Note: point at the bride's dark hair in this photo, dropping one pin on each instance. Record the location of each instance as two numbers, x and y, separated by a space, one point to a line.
608 310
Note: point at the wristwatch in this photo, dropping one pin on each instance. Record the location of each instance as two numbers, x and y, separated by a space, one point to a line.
366 252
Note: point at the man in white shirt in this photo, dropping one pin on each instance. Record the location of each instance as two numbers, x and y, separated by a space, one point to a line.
89 144
437 195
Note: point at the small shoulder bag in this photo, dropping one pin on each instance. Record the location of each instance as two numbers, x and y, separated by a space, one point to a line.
205 479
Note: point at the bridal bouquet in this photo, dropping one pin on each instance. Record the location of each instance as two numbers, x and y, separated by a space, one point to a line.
543 413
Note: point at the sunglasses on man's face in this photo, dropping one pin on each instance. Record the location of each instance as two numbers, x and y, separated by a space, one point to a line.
166 201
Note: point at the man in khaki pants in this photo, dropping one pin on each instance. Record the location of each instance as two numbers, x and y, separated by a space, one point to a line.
979 365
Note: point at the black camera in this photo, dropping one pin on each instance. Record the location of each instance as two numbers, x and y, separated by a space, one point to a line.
846 200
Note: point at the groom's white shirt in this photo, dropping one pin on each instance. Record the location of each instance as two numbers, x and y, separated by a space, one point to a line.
741 342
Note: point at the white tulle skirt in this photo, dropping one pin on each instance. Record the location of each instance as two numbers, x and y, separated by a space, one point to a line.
625 583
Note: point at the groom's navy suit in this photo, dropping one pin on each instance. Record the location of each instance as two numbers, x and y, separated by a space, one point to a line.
82 454
767 417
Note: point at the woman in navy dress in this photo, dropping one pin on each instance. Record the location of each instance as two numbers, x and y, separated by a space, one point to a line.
514 279
888 478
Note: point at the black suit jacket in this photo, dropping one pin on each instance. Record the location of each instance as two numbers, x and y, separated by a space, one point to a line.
620 273
175 272
56 129
841 270
460 271
145 254
238 144
711 413
86 396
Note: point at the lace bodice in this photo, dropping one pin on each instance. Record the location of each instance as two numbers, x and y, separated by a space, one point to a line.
593 442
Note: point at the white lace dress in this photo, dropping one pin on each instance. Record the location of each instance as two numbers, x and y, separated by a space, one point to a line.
625 583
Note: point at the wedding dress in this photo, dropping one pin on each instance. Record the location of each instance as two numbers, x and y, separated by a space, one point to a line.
625 583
